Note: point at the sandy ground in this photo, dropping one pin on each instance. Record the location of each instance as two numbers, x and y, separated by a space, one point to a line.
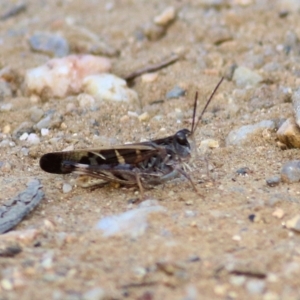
227 244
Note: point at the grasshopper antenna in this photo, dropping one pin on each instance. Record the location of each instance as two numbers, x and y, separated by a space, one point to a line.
194 125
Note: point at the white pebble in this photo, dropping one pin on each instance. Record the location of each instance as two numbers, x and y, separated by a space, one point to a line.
108 87
255 286
245 77
133 222
166 17
95 294
132 114
44 131
33 139
240 135
24 151
6 107
67 188
290 171
296 105
236 238
149 77
24 136
44 123
278 213
294 223
47 262
6 284
237 280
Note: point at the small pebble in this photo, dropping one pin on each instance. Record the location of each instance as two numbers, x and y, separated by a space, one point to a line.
294 223
144 117
243 2
5 167
24 237
289 134
244 171
252 217
290 171
190 213
244 77
70 107
49 225
240 135
132 114
6 284
24 151
23 127
220 289
6 143
6 107
67 188
255 286
49 43
86 101
166 17
47 262
208 144
5 90
149 77
24 136
36 114
153 31
271 296
44 131
94 294
278 213
6 129
44 123
237 280
296 105
63 125
236 238
133 222
33 139
272 67
176 92
189 202
273 181
109 87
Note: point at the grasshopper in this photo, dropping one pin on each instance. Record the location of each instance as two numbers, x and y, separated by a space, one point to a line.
143 164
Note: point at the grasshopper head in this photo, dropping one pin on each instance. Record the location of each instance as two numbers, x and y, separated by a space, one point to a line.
181 144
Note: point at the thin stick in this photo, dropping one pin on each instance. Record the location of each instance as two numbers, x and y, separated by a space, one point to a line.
13 11
152 68
206 105
194 111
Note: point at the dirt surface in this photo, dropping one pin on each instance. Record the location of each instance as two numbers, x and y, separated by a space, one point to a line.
230 243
